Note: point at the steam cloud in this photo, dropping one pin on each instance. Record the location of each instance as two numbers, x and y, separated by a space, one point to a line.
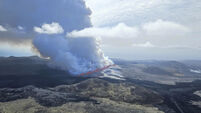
77 55
45 23
53 28
18 17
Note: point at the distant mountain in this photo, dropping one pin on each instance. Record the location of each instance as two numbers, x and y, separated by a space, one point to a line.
164 72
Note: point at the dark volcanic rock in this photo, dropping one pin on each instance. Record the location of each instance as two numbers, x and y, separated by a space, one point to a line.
35 86
83 91
43 96
114 91
17 72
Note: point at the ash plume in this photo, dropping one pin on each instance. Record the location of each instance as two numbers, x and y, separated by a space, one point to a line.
45 23
19 17
76 55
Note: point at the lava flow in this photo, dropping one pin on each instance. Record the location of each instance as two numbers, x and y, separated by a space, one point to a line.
97 70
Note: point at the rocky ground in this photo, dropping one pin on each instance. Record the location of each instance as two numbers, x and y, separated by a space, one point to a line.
92 95
29 85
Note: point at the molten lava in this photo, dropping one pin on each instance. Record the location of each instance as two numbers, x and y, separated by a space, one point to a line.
97 70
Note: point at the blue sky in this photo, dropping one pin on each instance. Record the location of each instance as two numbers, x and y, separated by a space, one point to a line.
129 29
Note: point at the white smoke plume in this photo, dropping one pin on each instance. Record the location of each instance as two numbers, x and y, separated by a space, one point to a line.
45 23
76 55
19 17
53 28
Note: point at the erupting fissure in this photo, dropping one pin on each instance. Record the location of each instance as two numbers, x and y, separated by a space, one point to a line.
76 55
97 70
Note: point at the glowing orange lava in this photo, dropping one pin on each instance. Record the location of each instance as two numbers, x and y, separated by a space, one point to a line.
97 70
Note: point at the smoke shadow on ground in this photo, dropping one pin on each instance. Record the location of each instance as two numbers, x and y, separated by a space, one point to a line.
19 72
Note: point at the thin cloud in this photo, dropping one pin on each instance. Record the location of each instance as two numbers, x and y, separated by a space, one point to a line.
163 28
2 29
135 12
20 27
119 31
151 45
53 28
159 32
145 45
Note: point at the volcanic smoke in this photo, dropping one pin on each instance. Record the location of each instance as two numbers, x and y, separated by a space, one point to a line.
76 55
45 24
